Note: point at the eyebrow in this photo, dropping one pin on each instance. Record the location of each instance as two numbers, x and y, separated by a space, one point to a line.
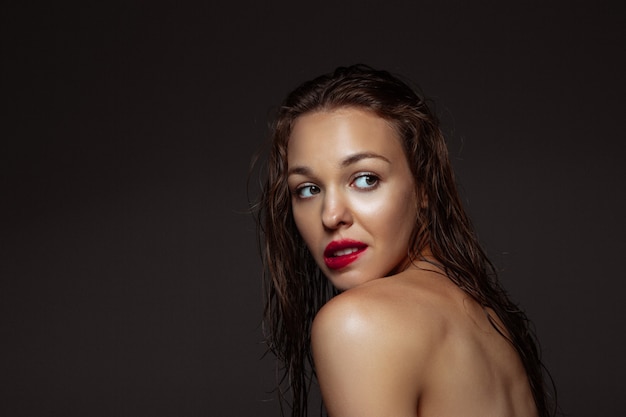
352 159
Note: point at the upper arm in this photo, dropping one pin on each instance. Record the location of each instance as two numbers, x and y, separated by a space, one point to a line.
366 363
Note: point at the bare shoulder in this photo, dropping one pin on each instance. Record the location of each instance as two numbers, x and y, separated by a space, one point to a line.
415 341
384 307
371 347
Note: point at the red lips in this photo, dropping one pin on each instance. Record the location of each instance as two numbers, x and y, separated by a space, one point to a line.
341 253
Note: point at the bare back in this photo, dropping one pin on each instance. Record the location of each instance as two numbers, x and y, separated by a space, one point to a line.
415 344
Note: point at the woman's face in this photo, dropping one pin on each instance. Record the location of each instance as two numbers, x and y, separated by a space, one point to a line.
353 194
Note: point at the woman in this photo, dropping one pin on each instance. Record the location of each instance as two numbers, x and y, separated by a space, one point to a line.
376 283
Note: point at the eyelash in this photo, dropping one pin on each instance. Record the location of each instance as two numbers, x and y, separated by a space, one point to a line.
314 189
367 175
299 190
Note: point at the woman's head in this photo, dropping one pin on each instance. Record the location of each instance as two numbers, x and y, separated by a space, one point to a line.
415 129
353 194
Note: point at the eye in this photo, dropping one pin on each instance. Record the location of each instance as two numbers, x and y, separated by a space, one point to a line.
366 181
307 191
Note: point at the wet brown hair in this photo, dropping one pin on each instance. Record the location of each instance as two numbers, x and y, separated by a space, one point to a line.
295 288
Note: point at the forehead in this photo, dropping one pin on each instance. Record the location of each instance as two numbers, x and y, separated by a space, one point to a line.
332 135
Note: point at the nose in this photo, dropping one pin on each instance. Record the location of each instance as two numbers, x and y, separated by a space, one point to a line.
336 212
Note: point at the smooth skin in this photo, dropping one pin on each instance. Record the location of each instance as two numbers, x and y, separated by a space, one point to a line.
401 339
349 178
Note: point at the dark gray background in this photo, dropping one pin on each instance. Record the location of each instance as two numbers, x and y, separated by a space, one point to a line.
129 267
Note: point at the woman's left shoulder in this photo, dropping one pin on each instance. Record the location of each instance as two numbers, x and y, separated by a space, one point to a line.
382 314
371 358
353 313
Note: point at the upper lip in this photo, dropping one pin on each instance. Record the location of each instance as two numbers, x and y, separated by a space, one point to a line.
342 244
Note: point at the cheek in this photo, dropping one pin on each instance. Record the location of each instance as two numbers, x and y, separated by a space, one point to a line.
393 215
397 207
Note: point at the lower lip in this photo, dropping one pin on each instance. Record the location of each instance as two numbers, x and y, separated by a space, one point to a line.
338 262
